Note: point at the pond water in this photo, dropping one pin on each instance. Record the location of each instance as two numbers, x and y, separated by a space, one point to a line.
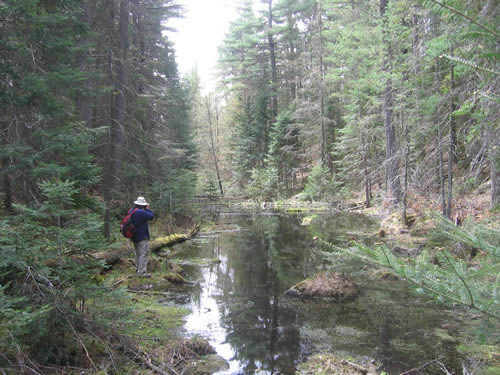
239 305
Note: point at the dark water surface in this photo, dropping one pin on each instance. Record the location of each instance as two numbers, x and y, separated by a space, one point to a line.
241 309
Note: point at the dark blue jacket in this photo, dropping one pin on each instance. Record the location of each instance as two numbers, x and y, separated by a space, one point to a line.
140 220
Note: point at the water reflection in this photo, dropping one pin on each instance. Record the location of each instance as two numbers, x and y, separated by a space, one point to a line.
241 309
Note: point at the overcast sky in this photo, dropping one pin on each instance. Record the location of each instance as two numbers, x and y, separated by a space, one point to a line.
200 33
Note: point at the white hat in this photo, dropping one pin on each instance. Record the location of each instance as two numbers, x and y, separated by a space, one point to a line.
141 201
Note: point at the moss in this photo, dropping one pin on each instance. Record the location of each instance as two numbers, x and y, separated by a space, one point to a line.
154 264
488 354
166 241
307 220
422 226
175 267
147 323
139 283
385 274
152 323
175 278
490 371
123 274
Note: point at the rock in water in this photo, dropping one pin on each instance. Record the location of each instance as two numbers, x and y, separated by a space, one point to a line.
326 285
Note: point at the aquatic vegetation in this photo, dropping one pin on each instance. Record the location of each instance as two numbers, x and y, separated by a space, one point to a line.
331 285
441 274
325 364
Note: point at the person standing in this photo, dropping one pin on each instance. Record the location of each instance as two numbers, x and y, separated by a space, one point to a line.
140 218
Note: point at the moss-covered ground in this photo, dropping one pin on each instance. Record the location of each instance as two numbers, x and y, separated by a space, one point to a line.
149 322
149 330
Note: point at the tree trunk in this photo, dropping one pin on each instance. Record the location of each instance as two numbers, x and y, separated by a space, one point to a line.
415 44
405 182
119 110
212 144
272 53
108 152
113 158
6 186
4 163
325 160
392 177
441 171
367 176
452 141
494 172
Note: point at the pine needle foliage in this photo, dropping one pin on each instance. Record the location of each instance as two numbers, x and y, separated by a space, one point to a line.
448 278
50 284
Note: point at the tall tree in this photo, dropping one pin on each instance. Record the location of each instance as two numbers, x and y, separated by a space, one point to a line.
355 55
211 129
392 170
272 59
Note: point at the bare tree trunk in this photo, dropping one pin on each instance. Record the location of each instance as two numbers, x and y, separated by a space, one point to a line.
212 143
494 172
441 172
367 175
452 140
405 186
325 160
393 184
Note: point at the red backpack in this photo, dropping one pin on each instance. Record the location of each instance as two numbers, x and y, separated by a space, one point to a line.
127 228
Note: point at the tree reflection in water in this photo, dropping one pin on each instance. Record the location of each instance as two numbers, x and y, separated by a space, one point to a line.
242 310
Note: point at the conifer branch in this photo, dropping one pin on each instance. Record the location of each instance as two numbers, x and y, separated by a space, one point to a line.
435 281
469 63
471 298
486 28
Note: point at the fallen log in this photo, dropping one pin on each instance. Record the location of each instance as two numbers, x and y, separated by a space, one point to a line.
113 256
159 243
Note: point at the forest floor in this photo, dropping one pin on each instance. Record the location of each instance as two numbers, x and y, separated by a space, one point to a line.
155 343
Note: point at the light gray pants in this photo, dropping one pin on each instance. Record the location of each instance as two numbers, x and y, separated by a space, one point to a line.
141 256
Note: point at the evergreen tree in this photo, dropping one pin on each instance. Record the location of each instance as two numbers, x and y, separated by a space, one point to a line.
285 149
319 185
356 58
